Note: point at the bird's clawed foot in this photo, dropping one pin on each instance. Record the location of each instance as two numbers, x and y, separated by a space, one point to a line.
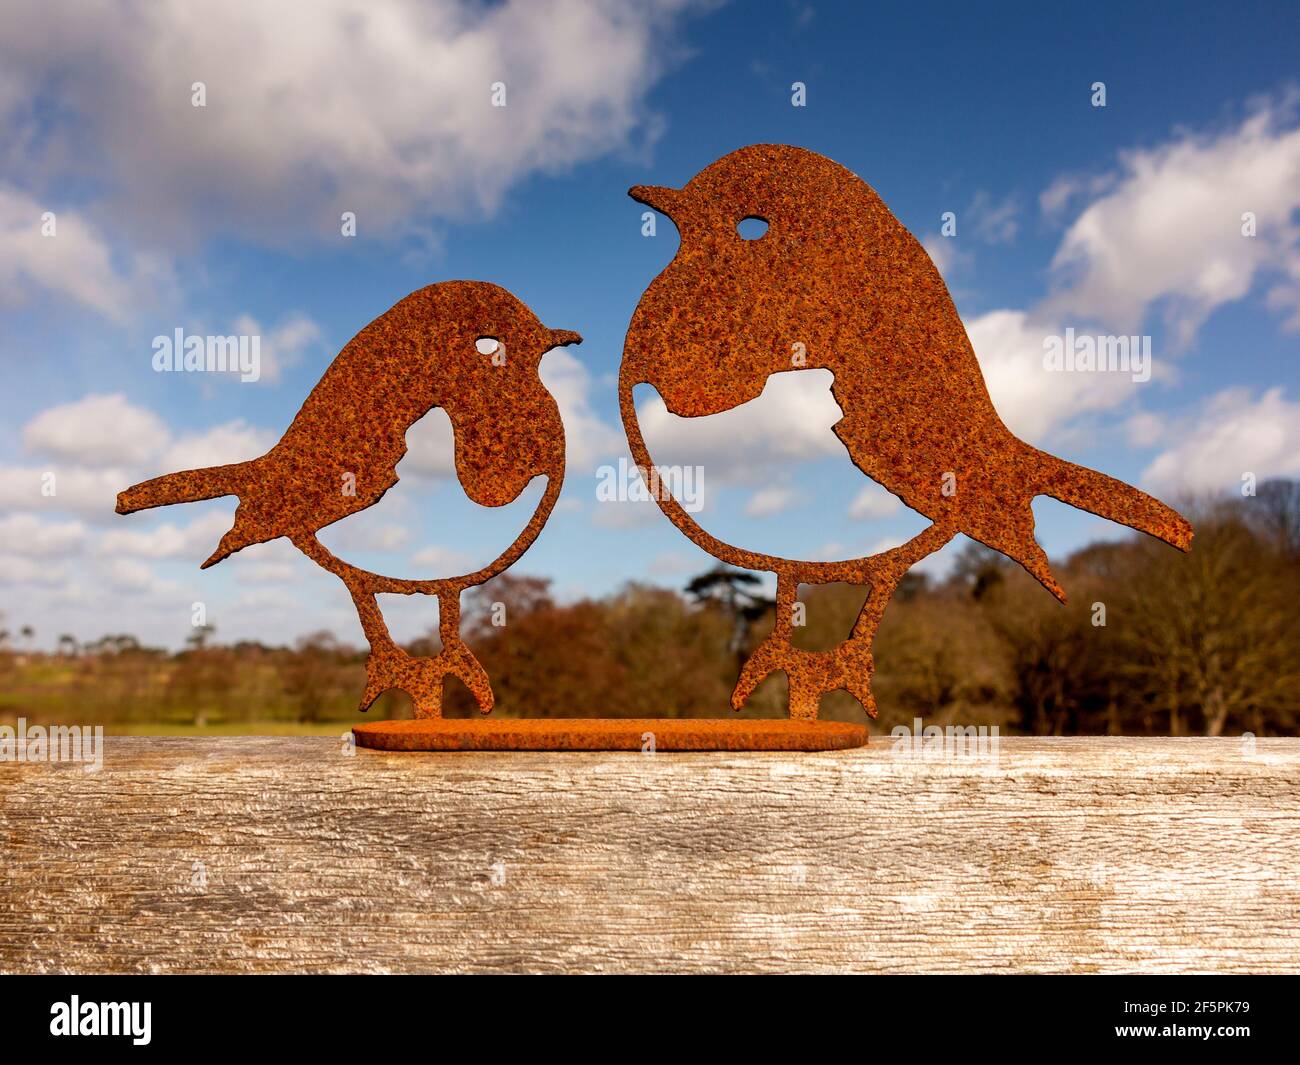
811 673
421 678
814 673
388 666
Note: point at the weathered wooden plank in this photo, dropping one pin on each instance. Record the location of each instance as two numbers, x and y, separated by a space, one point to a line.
1063 855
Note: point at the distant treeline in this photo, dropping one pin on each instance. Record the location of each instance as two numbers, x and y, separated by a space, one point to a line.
1152 642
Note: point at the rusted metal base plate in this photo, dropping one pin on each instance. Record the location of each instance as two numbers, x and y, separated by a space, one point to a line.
608 734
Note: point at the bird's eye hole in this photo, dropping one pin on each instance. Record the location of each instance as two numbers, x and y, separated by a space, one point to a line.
487 345
751 227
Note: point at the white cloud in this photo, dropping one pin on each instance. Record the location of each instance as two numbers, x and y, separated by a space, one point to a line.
101 444
25 534
1163 231
235 441
1169 231
193 541
274 562
943 251
1233 434
125 575
90 493
282 346
673 564
259 600
442 561
18 571
385 110
771 500
362 532
1053 199
97 431
430 447
101 431
76 262
990 222
1032 400
1144 429
1069 188
789 422
268 573
874 502
831 551
588 439
888 543
379 527
994 223
625 513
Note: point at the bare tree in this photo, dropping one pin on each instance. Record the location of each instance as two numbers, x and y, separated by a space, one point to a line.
1276 512
736 593
1211 635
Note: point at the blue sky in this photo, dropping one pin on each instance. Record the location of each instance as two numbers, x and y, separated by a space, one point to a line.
1122 219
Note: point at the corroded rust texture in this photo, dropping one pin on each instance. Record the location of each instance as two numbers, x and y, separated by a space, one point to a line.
610 734
340 455
837 283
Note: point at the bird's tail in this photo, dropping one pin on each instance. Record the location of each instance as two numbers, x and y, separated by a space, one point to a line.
1113 500
189 486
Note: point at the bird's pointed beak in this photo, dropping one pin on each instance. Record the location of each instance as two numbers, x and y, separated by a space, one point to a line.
562 338
664 200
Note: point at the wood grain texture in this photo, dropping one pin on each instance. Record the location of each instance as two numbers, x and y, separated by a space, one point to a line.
1086 855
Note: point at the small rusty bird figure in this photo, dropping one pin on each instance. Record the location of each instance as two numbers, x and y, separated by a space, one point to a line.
836 282
341 452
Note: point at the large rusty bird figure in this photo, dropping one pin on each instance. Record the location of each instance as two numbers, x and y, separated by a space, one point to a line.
341 452
836 282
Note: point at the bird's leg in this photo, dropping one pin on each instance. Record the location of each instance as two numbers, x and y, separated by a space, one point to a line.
421 678
811 674
388 666
456 658
806 671
854 655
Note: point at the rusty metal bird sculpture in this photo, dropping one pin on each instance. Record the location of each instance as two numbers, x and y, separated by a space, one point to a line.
836 282
341 452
